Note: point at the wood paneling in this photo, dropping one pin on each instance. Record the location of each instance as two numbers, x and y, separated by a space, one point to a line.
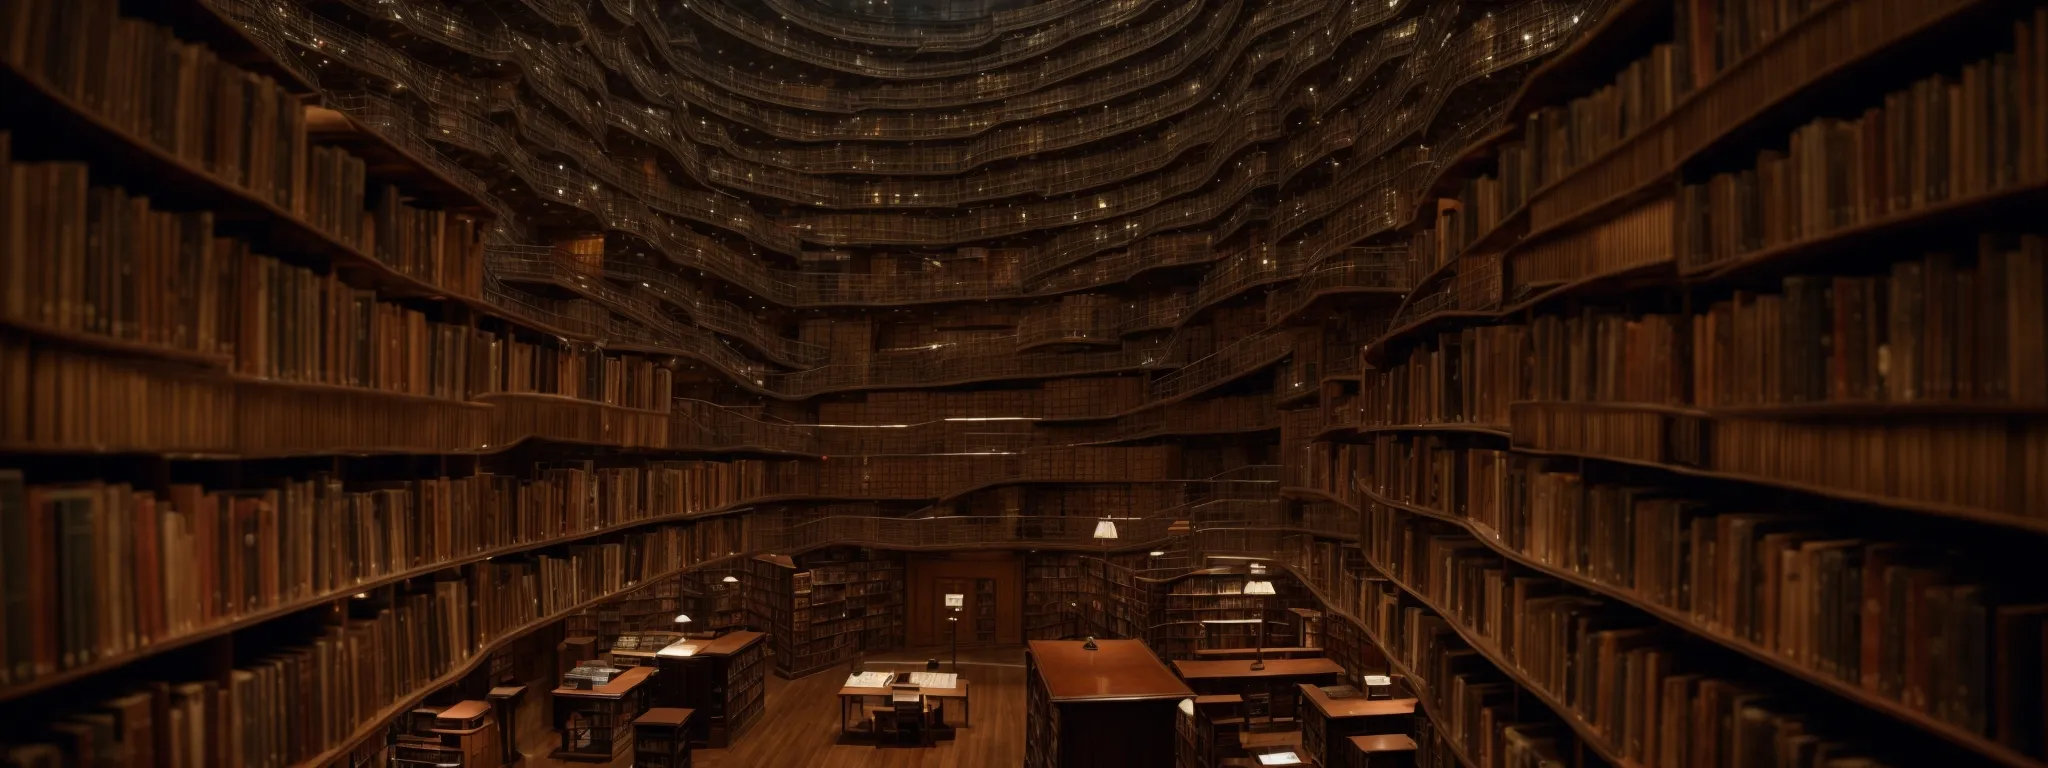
930 577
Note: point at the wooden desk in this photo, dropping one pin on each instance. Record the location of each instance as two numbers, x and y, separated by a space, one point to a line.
850 697
1114 707
1277 680
621 685
1247 654
602 716
1326 722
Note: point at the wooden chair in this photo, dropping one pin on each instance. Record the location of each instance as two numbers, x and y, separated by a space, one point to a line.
905 722
1258 711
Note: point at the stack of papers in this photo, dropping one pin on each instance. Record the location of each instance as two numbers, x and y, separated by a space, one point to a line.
932 679
869 680
1279 758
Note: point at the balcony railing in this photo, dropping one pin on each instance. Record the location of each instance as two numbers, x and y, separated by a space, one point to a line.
948 36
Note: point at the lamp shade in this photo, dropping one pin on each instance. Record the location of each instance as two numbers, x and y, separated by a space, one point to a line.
682 618
1105 529
1258 587
731 579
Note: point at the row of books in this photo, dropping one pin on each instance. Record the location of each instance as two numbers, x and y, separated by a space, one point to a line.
1935 329
1648 700
239 127
93 259
442 249
1940 140
1466 377
632 381
1481 204
1714 35
379 647
99 570
291 324
1635 238
1322 466
1965 464
1564 138
338 181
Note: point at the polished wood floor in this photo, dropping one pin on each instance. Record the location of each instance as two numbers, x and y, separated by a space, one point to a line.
801 727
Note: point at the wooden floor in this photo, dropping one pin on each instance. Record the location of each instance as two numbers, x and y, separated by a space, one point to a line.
801 727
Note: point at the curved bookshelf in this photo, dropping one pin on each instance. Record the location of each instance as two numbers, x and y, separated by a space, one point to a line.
1489 430
1394 662
1989 517
1984 747
196 186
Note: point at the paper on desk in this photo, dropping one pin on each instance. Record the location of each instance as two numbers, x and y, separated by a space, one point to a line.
1279 758
869 680
932 679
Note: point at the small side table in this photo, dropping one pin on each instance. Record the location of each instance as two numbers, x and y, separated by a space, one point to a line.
661 738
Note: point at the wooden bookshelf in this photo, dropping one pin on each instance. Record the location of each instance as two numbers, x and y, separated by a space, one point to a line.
841 604
377 320
1052 585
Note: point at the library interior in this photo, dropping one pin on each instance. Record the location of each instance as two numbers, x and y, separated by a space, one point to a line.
746 384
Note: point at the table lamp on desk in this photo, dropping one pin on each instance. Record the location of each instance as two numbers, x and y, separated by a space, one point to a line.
1259 588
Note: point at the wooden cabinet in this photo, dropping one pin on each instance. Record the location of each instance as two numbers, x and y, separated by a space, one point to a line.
1113 707
596 724
661 738
1327 724
1210 727
721 679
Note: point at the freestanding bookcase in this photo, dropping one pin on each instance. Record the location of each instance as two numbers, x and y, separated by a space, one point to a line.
721 679
1113 707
